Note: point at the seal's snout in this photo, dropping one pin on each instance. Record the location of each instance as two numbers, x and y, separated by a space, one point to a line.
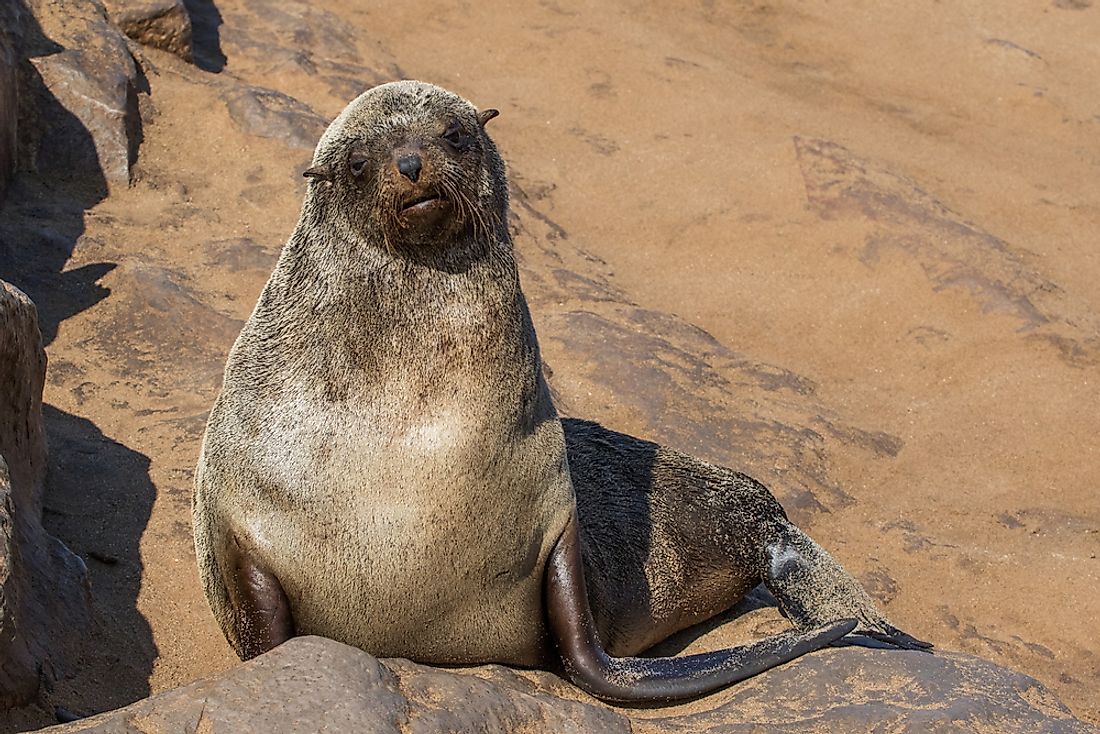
409 166
420 197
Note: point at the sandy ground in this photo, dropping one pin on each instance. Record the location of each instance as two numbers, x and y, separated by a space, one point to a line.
848 247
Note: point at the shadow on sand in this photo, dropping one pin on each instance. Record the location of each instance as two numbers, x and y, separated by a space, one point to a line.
205 36
99 494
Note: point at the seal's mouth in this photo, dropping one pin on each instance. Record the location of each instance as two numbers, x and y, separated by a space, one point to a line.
429 202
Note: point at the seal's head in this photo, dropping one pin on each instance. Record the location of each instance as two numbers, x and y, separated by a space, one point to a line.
408 166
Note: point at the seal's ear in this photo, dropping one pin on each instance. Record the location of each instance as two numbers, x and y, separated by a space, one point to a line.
485 115
320 173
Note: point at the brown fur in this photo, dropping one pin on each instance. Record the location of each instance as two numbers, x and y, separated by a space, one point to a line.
384 442
385 446
670 540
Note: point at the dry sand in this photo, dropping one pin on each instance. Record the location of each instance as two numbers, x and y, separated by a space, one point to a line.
886 214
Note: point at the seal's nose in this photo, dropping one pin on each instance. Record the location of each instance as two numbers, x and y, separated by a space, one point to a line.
409 165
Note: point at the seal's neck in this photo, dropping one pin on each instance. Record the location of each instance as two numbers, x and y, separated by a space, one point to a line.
358 316
360 269
349 284
332 246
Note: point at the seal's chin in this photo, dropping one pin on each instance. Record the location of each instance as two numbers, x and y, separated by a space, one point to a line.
424 214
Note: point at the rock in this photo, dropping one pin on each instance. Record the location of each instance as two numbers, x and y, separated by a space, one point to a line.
22 374
162 24
86 83
312 684
155 311
271 114
291 37
18 681
9 110
44 592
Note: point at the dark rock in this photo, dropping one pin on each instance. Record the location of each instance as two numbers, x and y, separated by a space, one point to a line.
44 591
271 114
312 684
86 84
9 110
162 24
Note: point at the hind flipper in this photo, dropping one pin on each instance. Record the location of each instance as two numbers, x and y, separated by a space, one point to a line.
812 588
653 680
889 637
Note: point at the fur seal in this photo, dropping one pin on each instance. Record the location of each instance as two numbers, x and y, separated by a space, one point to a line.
384 465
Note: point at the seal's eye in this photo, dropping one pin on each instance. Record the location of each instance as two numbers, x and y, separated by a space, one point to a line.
457 138
357 163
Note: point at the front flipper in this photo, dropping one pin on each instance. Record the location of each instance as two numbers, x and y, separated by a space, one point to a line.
653 680
260 606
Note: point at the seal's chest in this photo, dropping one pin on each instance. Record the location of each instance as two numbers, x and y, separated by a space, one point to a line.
398 438
440 433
